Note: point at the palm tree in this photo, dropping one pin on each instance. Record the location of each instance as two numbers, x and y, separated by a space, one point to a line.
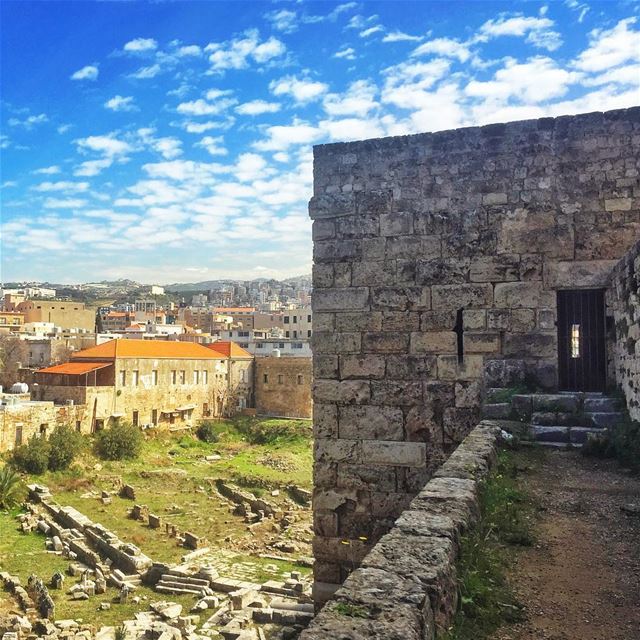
9 487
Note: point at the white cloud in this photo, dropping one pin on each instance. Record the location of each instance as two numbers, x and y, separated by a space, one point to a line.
611 47
283 20
235 54
144 73
215 146
90 72
91 168
537 80
63 128
140 45
539 31
400 36
352 129
189 50
347 53
69 203
250 166
407 84
69 187
48 171
447 47
365 33
201 127
358 100
29 122
201 107
281 137
626 75
121 103
301 90
257 107
108 146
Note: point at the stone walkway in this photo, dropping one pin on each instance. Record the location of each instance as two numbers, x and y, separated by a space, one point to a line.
582 580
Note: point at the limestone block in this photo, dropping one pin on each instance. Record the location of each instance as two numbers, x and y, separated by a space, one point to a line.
396 392
360 226
337 450
421 425
618 204
322 275
530 267
371 423
342 274
374 201
530 345
481 342
396 224
502 268
397 454
474 319
445 297
325 420
343 299
517 295
401 298
442 271
610 243
325 366
331 342
494 198
410 367
438 320
400 320
547 319
433 342
410 247
367 476
323 230
338 549
574 275
449 368
467 393
389 505
337 250
331 205
459 421
379 272
379 342
361 321
515 320
362 366
324 322
341 392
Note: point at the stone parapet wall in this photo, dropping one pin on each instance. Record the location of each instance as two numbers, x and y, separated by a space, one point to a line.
406 586
623 298
437 261
282 386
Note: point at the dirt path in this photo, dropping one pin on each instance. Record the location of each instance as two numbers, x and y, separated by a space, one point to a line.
582 580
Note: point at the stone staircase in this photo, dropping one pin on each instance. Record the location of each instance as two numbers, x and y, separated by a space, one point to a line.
177 582
556 419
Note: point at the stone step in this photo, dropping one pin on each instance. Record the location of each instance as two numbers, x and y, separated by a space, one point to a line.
605 419
556 402
176 590
602 404
551 418
579 435
178 577
551 434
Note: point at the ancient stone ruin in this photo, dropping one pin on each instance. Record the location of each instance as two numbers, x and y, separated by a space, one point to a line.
448 263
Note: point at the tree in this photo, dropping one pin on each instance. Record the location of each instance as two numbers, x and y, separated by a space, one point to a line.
33 457
14 353
10 487
119 442
64 445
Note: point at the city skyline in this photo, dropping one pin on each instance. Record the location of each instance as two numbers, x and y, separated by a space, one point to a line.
172 142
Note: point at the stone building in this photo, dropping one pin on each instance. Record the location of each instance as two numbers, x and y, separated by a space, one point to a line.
283 387
62 313
444 262
147 382
235 392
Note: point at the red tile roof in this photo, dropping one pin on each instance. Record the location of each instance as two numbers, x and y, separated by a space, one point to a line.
160 349
75 368
229 349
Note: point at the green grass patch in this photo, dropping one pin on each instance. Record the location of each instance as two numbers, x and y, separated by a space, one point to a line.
508 522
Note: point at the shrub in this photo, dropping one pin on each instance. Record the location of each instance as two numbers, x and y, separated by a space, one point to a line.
64 443
207 431
33 457
119 442
272 431
626 443
10 488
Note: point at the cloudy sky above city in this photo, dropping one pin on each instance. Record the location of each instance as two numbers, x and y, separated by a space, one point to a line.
172 141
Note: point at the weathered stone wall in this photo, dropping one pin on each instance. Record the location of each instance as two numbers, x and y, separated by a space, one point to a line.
286 389
406 586
623 297
437 260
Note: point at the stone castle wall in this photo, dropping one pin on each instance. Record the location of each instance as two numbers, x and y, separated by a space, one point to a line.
286 389
624 300
437 260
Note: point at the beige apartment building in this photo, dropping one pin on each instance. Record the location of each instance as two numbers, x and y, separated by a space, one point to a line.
62 313
297 323
151 383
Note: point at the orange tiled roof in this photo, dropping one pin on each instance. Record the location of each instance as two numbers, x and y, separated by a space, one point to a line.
234 309
117 314
229 349
161 349
75 368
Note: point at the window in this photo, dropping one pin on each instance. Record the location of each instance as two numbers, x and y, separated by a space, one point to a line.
244 345
43 430
309 333
183 377
154 416
205 377
265 378
196 377
135 418
286 319
295 319
206 412
174 377
295 334
243 334
123 378
259 345
154 377
280 345
243 376
78 426
300 379
309 318
136 378
280 379
286 335
297 345
575 340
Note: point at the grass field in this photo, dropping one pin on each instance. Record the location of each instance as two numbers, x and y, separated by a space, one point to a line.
174 480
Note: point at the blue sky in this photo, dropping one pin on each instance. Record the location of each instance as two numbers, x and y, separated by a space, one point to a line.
171 141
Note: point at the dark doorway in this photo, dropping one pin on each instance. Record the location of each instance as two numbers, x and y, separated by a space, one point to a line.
581 340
